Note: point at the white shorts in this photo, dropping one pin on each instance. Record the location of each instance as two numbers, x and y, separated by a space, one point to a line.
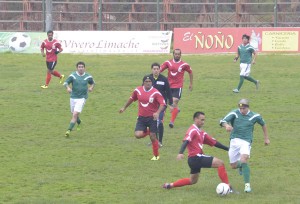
245 69
237 148
77 104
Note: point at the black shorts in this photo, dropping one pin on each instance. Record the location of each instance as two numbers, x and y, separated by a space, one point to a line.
51 65
198 162
144 122
176 92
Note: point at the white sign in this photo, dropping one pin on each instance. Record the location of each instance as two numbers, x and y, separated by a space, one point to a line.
108 42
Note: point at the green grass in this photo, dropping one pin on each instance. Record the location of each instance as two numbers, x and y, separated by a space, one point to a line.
104 163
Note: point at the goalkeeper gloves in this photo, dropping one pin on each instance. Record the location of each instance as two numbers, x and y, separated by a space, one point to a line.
56 52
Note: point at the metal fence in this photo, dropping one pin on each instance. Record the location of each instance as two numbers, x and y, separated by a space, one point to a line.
41 15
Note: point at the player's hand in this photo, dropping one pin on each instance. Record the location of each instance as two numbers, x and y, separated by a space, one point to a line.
155 115
235 59
122 110
253 62
180 156
57 52
267 141
228 128
69 90
43 54
191 87
90 89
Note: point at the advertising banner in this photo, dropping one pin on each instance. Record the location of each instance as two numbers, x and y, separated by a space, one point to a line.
91 42
226 40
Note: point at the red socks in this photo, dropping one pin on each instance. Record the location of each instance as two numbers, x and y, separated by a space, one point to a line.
182 182
155 147
174 114
223 174
56 73
48 78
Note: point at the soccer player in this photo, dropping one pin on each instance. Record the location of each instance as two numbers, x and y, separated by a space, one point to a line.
194 140
176 68
82 83
247 56
52 47
151 103
240 123
161 83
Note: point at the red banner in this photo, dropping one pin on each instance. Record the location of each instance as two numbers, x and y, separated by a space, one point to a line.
225 40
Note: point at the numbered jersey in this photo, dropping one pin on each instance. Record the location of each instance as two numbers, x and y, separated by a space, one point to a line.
50 47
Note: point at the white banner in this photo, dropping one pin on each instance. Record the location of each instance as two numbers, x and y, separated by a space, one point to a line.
114 42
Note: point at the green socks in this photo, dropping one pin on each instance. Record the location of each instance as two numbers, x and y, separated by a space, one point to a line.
241 83
249 78
246 172
78 120
71 126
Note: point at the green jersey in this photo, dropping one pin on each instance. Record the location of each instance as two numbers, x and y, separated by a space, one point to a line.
243 125
245 53
79 84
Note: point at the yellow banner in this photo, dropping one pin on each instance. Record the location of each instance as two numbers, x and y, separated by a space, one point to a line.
280 41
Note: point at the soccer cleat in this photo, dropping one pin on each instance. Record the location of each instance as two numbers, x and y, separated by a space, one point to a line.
171 125
160 144
68 133
247 188
155 158
61 79
257 84
235 90
167 186
78 128
232 190
44 87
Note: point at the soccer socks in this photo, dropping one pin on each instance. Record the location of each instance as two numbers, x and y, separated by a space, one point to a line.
155 147
71 126
48 78
160 132
246 172
249 78
182 182
56 73
240 83
174 114
223 174
78 120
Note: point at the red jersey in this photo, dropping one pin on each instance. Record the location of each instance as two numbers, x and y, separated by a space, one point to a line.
176 72
51 47
149 101
197 138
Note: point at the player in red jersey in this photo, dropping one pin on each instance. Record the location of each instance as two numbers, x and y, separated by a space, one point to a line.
176 68
52 47
151 103
194 140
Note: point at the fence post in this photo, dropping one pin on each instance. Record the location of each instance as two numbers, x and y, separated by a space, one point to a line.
157 15
275 14
100 15
216 14
44 16
49 15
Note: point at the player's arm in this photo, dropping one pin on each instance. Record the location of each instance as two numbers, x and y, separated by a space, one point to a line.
164 66
254 57
237 55
66 84
59 48
162 105
191 80
128 103
267 140
182 149
92 84
213 142
221 146
225 122
43 49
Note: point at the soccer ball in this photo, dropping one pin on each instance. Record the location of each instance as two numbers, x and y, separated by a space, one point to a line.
223 189
19 42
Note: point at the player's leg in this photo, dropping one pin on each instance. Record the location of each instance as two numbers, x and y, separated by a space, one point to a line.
218 163
152 124
176 93
160 123
245 155
54 72
249 78
76 108
243 67
141 128
48 75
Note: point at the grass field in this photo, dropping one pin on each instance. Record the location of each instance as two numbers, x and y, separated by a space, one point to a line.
104 163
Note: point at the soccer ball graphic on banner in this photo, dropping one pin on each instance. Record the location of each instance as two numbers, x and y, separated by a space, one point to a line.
19 42
223 189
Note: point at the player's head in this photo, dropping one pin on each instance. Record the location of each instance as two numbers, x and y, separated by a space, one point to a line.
199 119
147 82
177 54
155 68
244 106
80 66
50 34
245 38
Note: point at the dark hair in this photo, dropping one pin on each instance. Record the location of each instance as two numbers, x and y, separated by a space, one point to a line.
49 31
196 115
80 63
246 36
155 64
177 50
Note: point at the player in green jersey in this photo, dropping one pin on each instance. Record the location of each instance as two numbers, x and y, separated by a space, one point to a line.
247 56
80 81
240 123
